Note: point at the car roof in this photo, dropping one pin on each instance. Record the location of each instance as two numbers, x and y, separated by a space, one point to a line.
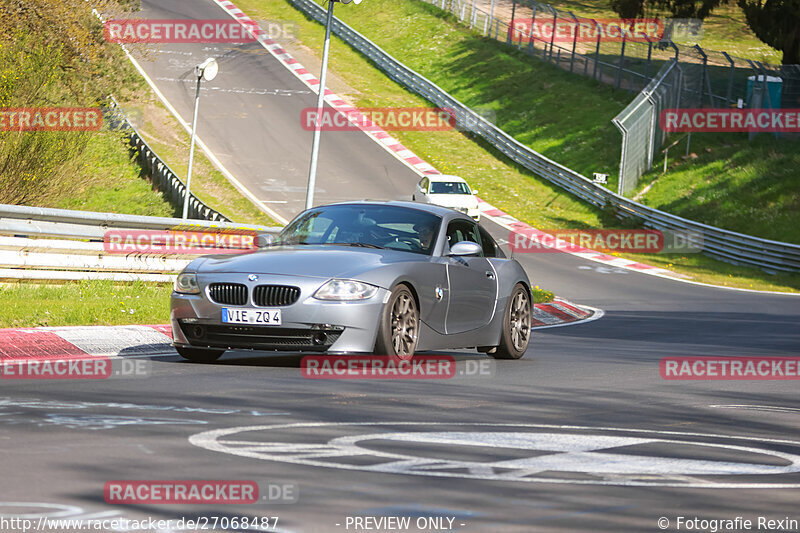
429 208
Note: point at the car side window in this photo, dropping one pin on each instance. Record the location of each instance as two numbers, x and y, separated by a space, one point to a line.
462 230
423 184
489 246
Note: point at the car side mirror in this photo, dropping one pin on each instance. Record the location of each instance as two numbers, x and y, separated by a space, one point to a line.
265 240
475 191
465 248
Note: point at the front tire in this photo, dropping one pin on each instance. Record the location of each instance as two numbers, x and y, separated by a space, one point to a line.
199 355
516 325
398 331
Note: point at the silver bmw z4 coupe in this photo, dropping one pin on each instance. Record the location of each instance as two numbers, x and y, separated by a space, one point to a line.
388 278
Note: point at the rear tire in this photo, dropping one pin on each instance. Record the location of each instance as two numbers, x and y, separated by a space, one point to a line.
199 355
398 331
516 325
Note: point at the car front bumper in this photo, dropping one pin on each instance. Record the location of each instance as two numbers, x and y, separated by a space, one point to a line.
307 325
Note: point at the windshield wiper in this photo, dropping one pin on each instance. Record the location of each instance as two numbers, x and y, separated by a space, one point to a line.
357 245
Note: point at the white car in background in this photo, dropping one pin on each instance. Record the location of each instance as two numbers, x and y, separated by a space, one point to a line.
448 191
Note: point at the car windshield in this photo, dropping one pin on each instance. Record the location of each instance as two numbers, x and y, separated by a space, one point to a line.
373 226
449 187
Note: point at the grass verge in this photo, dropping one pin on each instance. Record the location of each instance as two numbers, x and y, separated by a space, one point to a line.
564 117
171 142
724 30
84 303
98 303
541 296
111 182
751 187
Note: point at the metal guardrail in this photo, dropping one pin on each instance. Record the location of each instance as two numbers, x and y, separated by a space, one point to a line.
162 176
115 220
725 245
59 244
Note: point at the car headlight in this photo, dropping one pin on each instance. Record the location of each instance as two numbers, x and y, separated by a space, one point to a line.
345 290
186 283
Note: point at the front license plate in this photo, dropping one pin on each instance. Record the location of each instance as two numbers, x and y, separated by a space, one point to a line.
266 317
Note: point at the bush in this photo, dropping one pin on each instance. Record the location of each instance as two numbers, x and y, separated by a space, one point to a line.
52 54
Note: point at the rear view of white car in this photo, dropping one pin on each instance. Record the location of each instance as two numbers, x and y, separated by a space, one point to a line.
448 191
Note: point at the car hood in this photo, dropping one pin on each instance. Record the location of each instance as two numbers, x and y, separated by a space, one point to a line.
454 200
308 261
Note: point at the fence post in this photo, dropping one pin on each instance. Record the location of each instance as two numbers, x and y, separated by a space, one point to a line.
649 56
729 94
654 109
553 34
531 47
622 157
621 63
597 50
765 86
574 41
751 134
511 27
472 19
703 74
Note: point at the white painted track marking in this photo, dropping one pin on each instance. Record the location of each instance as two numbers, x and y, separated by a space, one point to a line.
620 469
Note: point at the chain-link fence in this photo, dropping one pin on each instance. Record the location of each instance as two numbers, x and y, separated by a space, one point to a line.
665 73
638 123
628 61
696 85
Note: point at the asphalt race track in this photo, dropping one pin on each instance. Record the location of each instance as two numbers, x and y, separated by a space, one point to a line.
583 434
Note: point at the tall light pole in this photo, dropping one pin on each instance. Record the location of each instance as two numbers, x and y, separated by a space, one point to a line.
207 70
312 171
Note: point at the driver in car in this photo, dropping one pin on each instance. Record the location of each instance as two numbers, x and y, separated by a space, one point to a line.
425 235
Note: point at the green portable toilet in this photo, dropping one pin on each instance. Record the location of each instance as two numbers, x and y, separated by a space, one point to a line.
756 99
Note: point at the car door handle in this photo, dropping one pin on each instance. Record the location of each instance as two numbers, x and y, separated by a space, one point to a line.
490 274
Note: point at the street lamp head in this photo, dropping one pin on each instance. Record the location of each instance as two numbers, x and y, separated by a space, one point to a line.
207 70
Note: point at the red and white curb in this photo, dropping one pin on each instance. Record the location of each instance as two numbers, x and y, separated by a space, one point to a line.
562 313
407 156
82 341
529 232
149 341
